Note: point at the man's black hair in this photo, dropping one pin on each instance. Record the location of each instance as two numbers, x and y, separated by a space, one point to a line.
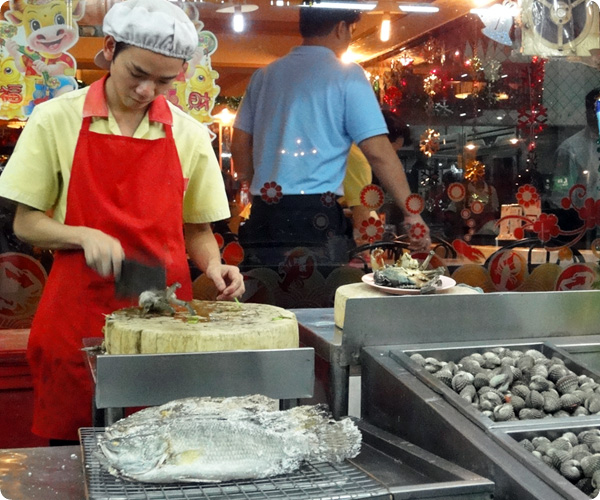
317 21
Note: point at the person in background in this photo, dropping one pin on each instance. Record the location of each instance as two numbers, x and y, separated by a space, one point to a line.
292 134
358 176
578 159
125 174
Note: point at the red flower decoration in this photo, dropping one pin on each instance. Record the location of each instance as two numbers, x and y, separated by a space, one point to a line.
414 204
371 229
527 196
456 191
477 207
371 197
465 213
328 199
546 226
417 231
590 213
271 193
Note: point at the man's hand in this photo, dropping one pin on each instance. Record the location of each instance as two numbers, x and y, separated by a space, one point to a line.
228 280
103 253
418 233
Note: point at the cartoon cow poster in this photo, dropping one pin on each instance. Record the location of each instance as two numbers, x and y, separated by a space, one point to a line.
195 91
34 60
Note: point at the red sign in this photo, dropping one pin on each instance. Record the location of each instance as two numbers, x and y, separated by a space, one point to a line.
22 279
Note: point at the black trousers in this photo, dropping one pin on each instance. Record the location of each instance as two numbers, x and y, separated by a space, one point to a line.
315 222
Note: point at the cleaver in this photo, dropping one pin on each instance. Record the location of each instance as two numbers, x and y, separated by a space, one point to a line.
137 278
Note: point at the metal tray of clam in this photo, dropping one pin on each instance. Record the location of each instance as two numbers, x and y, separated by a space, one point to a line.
386 467
567 457
508 385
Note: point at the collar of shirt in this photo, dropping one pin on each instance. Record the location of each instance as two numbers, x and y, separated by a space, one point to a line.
96 107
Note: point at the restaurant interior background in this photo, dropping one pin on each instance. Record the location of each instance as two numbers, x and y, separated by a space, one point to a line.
488 90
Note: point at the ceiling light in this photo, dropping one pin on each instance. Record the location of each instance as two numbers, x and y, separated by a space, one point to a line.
238 21
418 8
341 5
386 27
237 9
404 7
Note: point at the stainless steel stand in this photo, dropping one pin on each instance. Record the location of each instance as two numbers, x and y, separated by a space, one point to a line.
122 381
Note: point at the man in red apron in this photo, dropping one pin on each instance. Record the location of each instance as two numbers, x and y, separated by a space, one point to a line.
122 171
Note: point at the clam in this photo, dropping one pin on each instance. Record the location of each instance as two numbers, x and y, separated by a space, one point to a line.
557 371
461 380
590 465
571 469
534 400
504 412
531 414
567 384
592 403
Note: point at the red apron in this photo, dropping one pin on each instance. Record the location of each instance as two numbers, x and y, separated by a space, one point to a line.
132 189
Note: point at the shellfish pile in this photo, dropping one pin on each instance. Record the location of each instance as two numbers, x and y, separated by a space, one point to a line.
575 456
506 384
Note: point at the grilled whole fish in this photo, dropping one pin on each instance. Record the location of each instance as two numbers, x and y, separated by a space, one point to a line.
210 440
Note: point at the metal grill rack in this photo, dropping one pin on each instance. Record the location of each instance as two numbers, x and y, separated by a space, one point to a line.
314 481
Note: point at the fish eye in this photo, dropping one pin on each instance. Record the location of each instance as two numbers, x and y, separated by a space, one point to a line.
59 19
35 25
201 78
8 71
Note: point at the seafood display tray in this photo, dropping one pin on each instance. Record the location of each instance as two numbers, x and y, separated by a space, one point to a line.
510 438
448 353
387 467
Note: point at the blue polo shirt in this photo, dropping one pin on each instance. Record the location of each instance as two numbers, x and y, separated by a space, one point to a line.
304 111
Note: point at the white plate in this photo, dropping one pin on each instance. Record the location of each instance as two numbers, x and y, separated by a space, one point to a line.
446 283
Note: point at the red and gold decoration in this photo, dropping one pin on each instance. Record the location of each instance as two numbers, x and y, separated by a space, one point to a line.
23 279
467 251
415 204
328 199
477 207
371 230
418 231
271 193
527 196
508 269
372 197
430 142
456 192
474 171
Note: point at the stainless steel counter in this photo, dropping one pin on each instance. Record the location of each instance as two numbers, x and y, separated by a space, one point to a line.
42 473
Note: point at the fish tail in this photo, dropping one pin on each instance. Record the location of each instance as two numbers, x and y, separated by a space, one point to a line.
337 440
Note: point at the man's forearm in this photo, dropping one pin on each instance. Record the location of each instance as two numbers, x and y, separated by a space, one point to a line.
241 151
36 228
201 245
388 168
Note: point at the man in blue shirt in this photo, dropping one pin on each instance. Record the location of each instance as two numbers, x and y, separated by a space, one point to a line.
293 131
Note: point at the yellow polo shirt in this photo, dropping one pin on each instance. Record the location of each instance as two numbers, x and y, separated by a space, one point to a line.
38 172
358 175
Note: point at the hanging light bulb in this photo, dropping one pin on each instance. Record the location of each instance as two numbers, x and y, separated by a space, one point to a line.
238 19
238 10
386 27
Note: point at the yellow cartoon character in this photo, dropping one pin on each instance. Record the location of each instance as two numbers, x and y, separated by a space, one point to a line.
15 89
201 92
50 29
